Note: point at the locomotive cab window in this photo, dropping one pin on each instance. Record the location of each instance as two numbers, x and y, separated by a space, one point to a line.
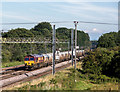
31 59
26 59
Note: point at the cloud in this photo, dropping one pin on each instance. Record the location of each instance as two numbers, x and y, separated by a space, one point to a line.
13 15
17 17
94 30
88 11
94 33
70 11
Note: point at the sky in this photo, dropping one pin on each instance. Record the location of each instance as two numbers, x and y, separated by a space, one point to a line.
22 12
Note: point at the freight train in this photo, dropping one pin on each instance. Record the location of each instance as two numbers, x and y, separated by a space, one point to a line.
35 60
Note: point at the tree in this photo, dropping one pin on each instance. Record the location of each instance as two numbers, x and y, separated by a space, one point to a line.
98 62
42 31
6 56
43 25
83 39
108 40
118 38
17 53
63 33
115 65
19 32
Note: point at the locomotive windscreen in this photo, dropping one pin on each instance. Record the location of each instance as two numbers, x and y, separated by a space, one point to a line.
26 59
31 59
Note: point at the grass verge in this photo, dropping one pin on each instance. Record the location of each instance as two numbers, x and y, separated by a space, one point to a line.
9 64
67 79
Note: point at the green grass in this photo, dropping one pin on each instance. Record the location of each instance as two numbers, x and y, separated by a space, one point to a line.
82 85
68 79
64 78
9 64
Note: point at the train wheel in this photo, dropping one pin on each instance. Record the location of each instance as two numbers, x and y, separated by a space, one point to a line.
38 65
32 67
29 68
47 64
26 67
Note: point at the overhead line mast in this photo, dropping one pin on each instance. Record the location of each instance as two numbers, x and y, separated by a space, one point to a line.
75 22
54 41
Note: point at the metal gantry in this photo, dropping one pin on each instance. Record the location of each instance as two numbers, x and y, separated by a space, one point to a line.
36 40
26 40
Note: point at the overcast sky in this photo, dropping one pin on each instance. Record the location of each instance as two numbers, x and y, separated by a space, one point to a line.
20 12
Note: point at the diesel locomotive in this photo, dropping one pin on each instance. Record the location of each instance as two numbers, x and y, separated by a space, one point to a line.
35 60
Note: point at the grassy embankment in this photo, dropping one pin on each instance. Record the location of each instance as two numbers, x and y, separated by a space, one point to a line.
9 64
67 79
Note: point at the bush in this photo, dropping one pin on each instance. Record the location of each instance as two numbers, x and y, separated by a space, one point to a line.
102 62
53 81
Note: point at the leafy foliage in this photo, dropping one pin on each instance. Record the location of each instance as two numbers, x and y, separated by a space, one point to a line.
43 31
109 40
82 37
118 38
102 61
43 25
115 65
19 32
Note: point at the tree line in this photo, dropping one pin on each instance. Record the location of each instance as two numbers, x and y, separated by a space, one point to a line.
43 31
111 39
105 59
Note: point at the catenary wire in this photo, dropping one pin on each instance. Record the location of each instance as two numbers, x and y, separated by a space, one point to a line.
88 22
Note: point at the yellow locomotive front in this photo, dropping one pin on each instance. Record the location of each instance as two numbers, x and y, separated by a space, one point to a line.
32 61
29 61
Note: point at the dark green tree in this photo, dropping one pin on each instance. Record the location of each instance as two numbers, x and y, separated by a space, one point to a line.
108 40
42 31
118 38
98 62
115 65
19 32
43 25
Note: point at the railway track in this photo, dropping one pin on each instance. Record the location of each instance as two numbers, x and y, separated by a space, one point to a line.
12 71
12 67
20 76
15 73
37 76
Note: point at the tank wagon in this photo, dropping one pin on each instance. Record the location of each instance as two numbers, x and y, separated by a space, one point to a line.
35 60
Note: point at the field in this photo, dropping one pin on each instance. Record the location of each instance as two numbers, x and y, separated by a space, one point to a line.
67 79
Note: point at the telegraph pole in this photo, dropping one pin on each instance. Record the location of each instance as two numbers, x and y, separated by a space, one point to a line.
75 22
72 44
53 61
